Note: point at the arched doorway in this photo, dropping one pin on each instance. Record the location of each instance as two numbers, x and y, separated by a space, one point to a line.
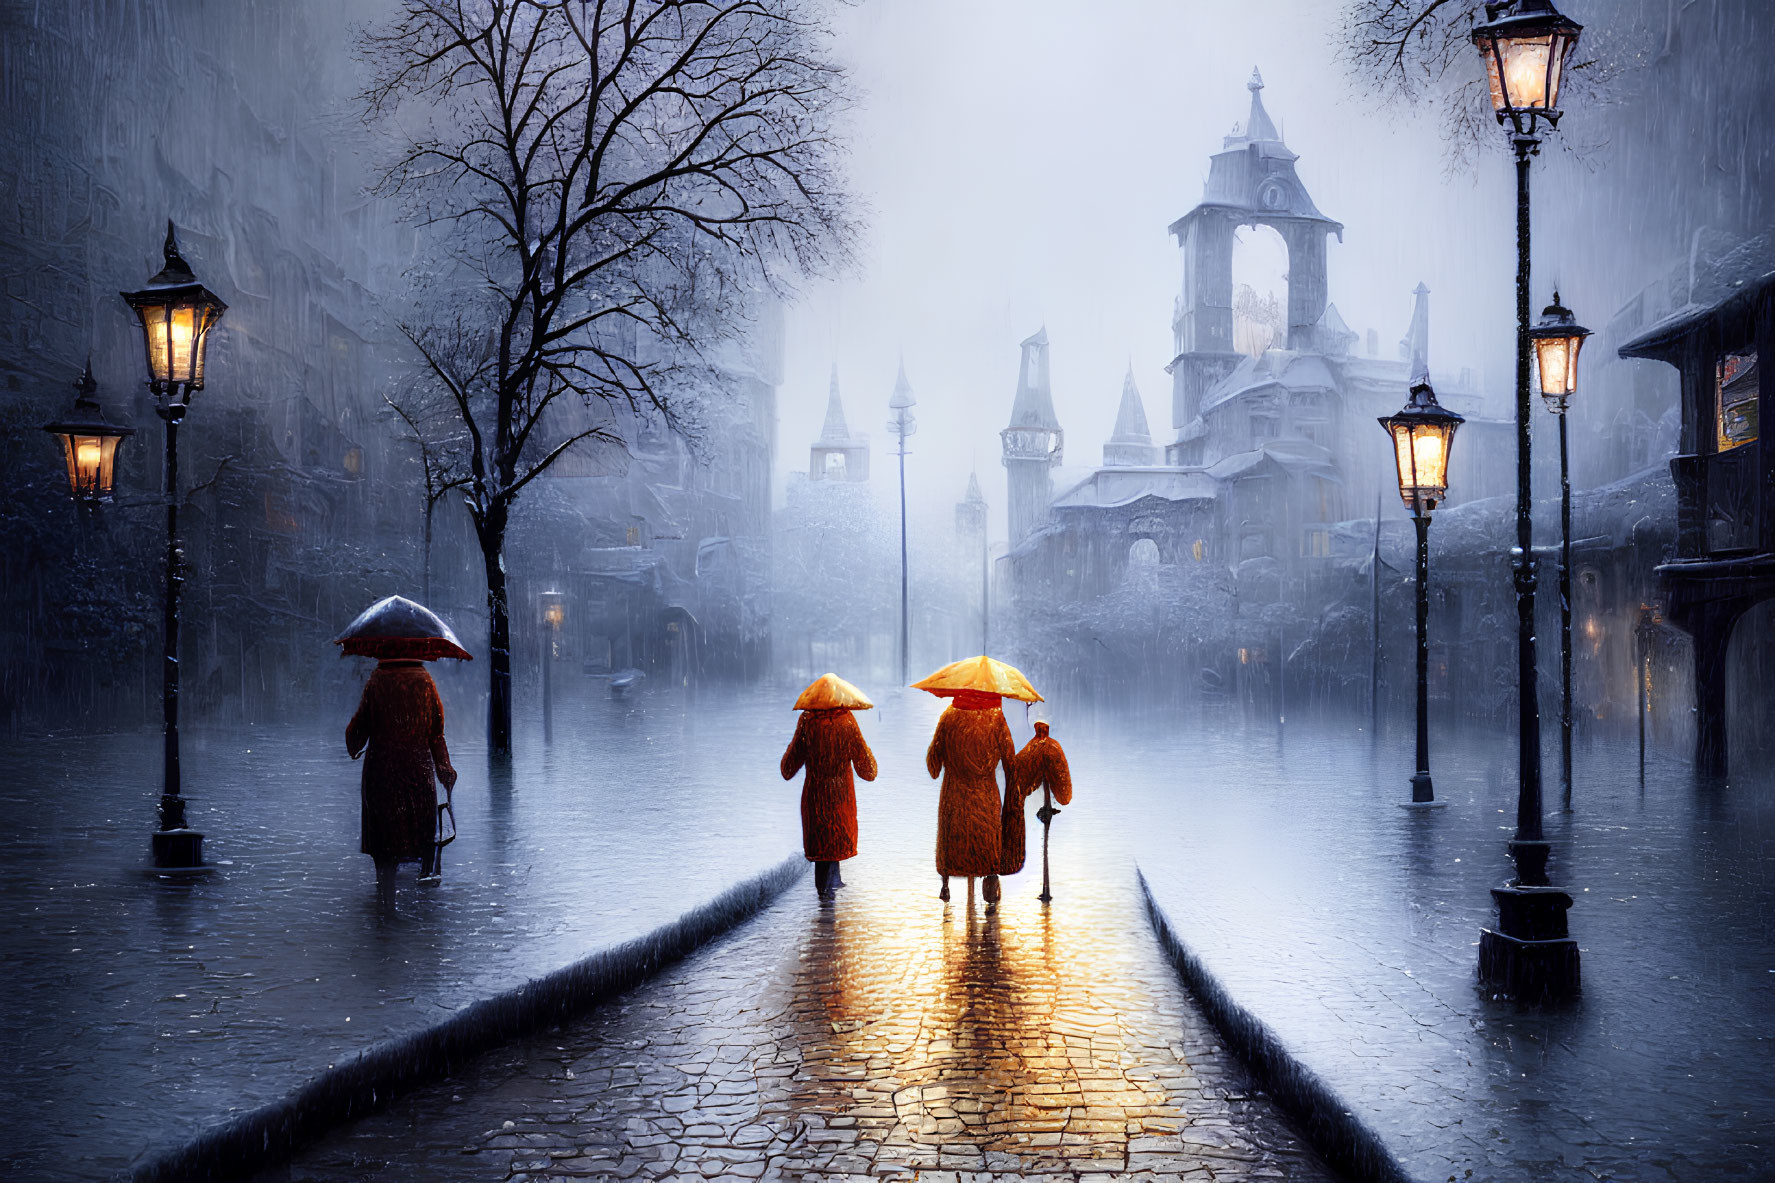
1260 290
1750 709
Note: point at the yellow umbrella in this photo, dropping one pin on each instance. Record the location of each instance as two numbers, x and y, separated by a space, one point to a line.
829 692
981 674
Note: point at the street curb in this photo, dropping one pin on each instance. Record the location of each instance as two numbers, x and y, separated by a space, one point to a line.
271 1133
1343 1140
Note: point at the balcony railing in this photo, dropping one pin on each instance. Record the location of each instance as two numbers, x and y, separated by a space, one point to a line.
1717 502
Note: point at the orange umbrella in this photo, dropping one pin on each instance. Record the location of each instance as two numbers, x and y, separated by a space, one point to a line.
829 692
982 675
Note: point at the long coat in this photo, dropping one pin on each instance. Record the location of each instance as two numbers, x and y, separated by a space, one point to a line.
1041 762
829 744
967 750
402 721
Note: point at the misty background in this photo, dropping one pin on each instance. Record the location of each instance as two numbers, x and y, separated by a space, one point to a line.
1012 166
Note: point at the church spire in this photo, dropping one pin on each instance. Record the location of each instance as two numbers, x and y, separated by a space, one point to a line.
1034 406
1132 443
1415 348
1258 128
835 431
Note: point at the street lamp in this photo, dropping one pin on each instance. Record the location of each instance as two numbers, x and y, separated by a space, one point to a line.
554 614
1525 45
970 520
901 424
1557 339
176 314
1422 433
89 443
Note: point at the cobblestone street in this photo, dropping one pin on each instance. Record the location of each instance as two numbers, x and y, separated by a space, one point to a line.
885 1034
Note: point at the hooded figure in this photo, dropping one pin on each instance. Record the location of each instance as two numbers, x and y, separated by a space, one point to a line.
401 721
1041 764
829 744
972 742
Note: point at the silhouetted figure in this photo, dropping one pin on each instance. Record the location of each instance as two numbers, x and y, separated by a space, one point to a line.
400 720
829 744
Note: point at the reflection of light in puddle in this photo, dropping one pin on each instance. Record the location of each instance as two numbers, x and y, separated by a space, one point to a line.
933 1026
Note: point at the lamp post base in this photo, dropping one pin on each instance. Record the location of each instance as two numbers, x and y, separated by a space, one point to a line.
179 850
1529 971
1531 956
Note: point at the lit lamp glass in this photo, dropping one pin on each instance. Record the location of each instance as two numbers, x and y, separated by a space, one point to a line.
1525 44
554 609
1422 434
89 443
176 314
1557 338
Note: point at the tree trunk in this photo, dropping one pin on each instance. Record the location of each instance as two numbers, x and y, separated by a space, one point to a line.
425 556
499 635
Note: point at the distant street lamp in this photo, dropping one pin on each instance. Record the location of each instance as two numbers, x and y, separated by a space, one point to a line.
1422 433
901 424
1525 45
176 313
554 614
970 521
1557 339
89 443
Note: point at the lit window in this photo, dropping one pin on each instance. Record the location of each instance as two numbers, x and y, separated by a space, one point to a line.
1735 399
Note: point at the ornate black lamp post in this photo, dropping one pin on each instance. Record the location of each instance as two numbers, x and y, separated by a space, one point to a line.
89 442
554 614
1525 45
901 424
1557 338
177 314
1422 433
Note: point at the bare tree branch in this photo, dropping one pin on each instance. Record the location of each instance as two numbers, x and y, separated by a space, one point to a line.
624 181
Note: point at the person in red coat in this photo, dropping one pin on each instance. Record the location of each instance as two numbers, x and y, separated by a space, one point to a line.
400 720
829 744
971 743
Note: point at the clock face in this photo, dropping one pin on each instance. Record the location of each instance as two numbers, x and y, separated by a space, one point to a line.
1273 195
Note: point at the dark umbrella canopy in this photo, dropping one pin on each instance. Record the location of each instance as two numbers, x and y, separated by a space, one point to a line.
398 629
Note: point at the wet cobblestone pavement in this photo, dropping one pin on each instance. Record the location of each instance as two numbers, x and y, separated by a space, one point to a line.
142 1012
885 1034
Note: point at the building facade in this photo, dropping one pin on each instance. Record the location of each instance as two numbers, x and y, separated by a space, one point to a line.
1273 437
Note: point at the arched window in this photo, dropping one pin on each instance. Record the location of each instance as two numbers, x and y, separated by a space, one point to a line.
1260 290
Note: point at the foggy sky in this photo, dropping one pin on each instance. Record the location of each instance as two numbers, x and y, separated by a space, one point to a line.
1022 161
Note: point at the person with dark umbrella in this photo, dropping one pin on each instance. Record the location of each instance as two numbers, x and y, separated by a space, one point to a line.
400 723
829 744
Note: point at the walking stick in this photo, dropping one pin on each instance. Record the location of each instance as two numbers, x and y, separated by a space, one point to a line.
1046 814
441 839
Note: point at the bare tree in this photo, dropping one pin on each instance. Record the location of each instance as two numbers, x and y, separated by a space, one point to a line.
619 179
1421 51
432 424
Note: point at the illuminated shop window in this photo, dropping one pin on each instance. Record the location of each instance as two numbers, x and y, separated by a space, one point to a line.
1735 400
